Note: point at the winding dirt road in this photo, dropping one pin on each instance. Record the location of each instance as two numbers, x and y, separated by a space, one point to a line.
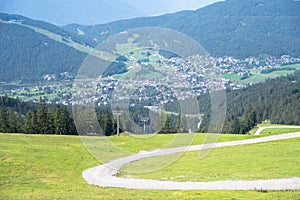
105 175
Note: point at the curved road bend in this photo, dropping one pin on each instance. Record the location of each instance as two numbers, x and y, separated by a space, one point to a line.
105 175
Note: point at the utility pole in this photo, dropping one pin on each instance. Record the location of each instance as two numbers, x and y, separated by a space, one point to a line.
118 114
144 119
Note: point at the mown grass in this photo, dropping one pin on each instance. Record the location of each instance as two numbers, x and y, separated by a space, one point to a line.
50 167
278 131
278 159
273 131
106 149
295 66
257 76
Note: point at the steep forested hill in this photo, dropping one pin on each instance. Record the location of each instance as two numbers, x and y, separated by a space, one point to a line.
27 55
30 49
233 27
276 100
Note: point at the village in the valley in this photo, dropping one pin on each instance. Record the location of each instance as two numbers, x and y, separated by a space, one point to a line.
160 79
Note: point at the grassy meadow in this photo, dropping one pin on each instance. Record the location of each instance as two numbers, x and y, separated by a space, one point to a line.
278 159
257 76
50 167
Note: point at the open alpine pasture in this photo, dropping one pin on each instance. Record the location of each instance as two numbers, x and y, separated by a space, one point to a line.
50 167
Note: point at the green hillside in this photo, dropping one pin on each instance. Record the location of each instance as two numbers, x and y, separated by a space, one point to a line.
27 55
232 27
50 167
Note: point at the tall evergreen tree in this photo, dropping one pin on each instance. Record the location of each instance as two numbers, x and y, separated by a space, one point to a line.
178 124
73 130
65 117
107 124
235 126
13 122
168 128
4 118
45 121
61 120
50 129
30 123
20 123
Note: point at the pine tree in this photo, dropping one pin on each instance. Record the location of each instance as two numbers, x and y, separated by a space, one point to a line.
45 120
57 119
30 123
168 128
107 124
73 130
184 125
50 128
235 126
20 123
65 121
4 118
61 120
178 124
13 122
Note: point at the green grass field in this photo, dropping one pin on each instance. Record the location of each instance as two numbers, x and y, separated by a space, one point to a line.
257 76
273 131
50 167
277 131
279 159
295 66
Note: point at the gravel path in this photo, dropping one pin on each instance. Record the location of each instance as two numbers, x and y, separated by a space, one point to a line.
104 175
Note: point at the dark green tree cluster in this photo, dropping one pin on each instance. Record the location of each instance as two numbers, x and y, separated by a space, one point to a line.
175 124
10 121
107 123
241 125
27 51
17 105
44 121
87 123
276 100
168 127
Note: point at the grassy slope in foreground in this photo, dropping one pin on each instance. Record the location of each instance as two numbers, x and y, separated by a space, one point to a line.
279 159
50 167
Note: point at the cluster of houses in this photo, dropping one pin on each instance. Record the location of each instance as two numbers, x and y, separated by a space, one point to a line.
186 78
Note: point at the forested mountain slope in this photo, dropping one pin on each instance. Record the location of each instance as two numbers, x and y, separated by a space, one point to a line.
276 100
233 27
31 49
26 54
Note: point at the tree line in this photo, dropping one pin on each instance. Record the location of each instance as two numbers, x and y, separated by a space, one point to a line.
41 119
275 100
31 118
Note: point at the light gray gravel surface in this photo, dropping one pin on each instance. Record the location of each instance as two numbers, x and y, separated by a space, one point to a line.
105 175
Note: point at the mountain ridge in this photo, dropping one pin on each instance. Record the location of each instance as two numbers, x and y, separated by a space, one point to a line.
27 55
234 28
224 29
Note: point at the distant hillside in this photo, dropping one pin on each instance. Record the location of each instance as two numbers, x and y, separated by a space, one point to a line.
233 27
49 27
30 49
276 100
